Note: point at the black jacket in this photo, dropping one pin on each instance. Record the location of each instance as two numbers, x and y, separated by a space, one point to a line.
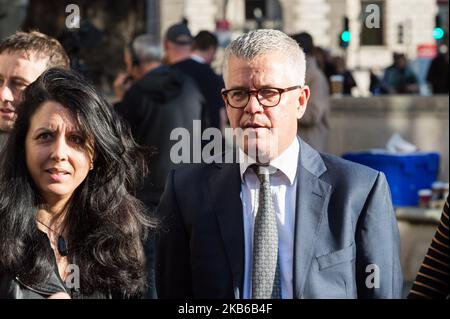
13 286
210 85
162 101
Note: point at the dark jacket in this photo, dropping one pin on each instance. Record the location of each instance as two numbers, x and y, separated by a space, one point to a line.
438 74
210 85
162 101
13 286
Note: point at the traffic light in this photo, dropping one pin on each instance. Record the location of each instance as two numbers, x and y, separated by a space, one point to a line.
438 32
345 35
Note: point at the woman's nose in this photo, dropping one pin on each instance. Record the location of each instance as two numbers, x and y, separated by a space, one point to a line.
59 149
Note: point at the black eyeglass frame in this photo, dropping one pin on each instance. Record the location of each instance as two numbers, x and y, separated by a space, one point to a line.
256 93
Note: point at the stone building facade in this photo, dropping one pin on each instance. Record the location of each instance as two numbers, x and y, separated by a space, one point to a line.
405 24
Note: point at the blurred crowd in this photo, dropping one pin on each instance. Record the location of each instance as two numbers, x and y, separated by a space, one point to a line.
398 78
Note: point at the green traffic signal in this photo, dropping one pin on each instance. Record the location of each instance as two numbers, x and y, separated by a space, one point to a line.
345 36
438 33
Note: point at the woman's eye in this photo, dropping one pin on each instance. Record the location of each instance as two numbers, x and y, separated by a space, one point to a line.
76 139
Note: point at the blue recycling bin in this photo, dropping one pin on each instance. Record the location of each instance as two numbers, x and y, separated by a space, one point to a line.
405 173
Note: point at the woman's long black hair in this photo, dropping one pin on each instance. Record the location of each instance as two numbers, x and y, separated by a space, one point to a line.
106 224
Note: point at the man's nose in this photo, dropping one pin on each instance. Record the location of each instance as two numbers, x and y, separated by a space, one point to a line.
253 105
6 94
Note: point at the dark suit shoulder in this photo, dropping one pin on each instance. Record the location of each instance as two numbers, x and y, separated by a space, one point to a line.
333 161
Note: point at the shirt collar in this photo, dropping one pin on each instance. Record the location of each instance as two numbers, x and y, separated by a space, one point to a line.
286 162
198 58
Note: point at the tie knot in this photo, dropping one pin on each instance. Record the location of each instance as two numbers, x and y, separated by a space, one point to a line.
263 172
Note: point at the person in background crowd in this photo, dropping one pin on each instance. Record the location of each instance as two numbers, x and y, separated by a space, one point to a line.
23 57
314 126
432 281
399 78
204 47
161 100
375 83
437 74
204 50
341 69
324 62
177 44
70 225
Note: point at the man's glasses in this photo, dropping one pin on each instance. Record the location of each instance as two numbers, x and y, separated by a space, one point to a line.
267 97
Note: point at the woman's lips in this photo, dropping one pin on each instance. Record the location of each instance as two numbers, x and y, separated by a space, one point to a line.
57 175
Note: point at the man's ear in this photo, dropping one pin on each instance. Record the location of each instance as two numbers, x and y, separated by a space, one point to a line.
223 98
136 72
302 101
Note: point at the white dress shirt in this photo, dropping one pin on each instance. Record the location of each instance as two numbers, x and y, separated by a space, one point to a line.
198 58
283 185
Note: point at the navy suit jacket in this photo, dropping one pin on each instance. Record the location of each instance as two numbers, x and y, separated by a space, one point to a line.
346 234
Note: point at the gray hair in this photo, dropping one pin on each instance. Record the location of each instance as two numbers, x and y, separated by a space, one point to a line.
147 49
260 42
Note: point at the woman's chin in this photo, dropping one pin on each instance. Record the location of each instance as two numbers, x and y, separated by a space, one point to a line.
56 192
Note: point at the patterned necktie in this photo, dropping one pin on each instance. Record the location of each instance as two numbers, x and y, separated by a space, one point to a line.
265 275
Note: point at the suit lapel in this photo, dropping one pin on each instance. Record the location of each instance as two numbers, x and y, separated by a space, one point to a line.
225 188
312 193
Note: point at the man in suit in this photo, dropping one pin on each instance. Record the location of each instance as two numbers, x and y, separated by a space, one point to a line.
316 226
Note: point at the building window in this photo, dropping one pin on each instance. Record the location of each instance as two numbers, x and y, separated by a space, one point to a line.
372 22
254 8
263 14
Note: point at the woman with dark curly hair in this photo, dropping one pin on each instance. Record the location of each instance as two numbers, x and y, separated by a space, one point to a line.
69 220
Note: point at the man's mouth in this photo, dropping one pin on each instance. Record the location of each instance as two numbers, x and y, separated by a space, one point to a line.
255 126
7 110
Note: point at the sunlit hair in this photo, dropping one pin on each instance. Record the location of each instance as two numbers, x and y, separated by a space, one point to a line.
147 49
41 45
254 44
106 224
